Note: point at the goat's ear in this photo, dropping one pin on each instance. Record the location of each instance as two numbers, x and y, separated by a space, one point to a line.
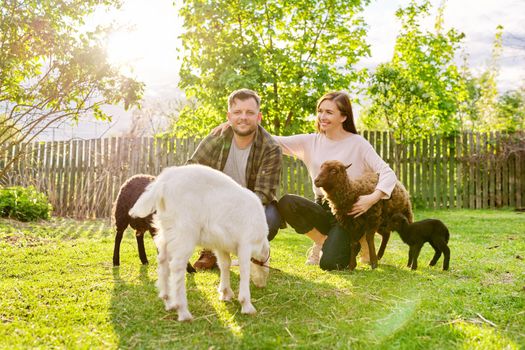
348 166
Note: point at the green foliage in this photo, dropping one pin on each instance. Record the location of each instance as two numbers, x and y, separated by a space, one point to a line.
51 71
60 290
511 111
419 92
289 52
24 204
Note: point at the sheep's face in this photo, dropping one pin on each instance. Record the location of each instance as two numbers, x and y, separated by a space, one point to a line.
332 173
398 220
260 270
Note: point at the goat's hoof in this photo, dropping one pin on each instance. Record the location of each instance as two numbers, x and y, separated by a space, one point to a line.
185 316
248 309
226 294
373 265
170 306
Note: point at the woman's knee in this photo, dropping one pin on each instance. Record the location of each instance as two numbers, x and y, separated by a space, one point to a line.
287 204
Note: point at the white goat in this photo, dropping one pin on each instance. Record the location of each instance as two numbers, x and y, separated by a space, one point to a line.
197 205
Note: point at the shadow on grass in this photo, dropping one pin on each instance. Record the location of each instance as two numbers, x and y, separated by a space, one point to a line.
301 307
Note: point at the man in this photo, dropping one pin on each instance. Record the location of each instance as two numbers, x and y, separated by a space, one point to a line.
248 154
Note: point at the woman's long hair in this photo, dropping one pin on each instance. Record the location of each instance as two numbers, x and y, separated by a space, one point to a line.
342 101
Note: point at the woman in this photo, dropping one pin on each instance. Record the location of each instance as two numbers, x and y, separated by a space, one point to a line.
336 139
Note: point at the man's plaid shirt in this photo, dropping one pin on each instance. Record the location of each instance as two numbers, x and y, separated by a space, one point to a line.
263 169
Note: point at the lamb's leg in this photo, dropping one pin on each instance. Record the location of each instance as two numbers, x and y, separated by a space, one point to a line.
446 252
179 251
244 254
415 255
437 254
384 241
116 249
372 249
411 251
140 244
224 262
354 249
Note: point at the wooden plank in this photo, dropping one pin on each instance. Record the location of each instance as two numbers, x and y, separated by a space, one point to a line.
432 172
411 162
520 177
511 161
485 167
385 154
445 147
418 188
471 177
452 168
404 163
498 172
494 164
106 167
66 157
425 176
504 172
437 161
115 166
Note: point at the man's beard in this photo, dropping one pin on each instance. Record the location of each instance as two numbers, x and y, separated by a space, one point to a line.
243 133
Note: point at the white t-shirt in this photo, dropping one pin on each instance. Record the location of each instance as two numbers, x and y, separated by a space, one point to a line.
315 149
236 163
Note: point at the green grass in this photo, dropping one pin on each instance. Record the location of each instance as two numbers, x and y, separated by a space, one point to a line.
58 289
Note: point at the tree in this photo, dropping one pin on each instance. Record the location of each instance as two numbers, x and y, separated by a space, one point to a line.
51 71
487 101
290 52
419 91
510 114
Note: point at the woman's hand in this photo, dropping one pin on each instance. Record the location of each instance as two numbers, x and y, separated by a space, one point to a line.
220 129
365 202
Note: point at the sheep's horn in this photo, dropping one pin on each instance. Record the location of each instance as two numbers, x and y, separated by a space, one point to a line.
348 166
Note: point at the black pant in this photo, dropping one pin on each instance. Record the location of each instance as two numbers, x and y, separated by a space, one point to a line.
273 218
304 215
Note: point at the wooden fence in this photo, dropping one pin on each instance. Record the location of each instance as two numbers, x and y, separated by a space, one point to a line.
472 170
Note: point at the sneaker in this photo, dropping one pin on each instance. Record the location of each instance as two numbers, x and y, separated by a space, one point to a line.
314 254
206 261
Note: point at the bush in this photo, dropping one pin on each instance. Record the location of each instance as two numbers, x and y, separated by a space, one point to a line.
24 204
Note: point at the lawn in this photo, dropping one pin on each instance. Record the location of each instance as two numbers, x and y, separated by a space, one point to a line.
59 290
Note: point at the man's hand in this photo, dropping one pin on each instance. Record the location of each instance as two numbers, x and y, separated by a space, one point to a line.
365 202
220 129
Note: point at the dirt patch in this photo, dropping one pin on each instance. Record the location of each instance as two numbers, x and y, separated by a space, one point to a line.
21 240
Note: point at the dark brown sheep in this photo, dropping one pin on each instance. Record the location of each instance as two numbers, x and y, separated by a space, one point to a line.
342 192
128 194
418 233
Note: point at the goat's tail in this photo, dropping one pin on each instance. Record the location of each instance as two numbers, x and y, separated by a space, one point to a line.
148 201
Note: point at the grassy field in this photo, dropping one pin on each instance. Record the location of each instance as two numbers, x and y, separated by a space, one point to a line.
59 290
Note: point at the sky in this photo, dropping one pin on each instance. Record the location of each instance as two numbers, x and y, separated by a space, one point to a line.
146 47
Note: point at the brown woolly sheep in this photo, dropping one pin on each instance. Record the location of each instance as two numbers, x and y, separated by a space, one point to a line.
418 233
128 194
342 192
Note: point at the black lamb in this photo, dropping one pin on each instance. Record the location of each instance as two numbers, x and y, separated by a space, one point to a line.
418 233
128 194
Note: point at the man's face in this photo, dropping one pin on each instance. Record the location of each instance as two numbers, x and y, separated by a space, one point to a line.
244 116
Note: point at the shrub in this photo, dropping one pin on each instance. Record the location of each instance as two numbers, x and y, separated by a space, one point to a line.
24 204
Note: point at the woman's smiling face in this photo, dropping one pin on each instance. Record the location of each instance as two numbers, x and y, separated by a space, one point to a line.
329 116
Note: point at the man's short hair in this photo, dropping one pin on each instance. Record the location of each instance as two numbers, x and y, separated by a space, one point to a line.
243 95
